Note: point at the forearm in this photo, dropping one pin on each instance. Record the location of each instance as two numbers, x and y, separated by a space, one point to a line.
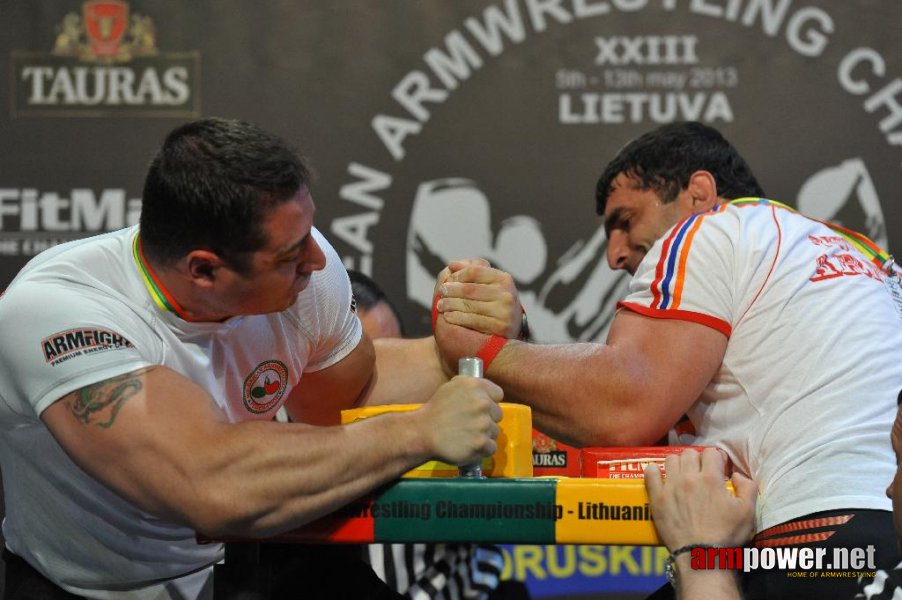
585 394
709 584
159 441
626 392
407 371
288 474
183 462
264 478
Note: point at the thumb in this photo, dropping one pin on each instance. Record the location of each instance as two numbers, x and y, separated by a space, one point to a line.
443 276
746 489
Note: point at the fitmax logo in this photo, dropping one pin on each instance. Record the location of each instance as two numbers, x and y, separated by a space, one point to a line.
28 210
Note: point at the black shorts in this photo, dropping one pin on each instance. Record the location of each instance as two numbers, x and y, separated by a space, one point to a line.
855 528
829 529
22 582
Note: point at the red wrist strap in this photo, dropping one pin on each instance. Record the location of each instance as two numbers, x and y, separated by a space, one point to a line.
492 346
435 311
490 350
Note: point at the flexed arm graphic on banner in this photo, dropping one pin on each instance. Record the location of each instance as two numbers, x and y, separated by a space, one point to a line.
451 219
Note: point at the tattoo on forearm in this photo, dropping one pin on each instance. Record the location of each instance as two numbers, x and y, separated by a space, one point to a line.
100 403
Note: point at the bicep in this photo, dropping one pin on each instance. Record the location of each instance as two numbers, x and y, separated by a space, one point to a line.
144 434
320 396
673 361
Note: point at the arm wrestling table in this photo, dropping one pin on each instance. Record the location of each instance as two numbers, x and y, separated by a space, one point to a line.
432 504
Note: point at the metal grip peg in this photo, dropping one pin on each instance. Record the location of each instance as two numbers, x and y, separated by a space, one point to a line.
470 366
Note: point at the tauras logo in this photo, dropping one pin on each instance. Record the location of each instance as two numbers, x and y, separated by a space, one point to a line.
549 459
545 452
105 62
74 342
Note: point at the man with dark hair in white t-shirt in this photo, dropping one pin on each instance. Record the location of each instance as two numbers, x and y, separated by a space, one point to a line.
141 371
778 335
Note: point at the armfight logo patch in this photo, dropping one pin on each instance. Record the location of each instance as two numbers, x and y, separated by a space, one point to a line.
64 345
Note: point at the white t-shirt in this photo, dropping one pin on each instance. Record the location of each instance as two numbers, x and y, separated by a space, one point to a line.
806 395
85 311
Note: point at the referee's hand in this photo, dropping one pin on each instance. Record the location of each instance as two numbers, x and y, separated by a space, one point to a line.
693 506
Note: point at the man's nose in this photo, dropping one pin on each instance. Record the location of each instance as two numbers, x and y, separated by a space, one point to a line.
618 249
316 258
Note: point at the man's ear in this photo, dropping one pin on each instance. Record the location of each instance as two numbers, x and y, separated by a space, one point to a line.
202 266
701 192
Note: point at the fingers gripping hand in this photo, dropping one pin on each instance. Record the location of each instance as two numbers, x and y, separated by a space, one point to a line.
453 267
464 329
462 420
694 507
481 298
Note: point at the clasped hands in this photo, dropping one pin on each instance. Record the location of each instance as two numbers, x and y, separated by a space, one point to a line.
473 301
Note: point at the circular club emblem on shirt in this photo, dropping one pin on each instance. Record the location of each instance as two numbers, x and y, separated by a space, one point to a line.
265 386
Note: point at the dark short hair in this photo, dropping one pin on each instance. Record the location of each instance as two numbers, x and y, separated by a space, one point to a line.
663 160
368 294
211 185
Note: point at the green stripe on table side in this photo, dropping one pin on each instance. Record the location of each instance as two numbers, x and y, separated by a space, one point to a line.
465 510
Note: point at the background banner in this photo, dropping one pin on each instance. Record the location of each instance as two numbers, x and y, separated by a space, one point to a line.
445 129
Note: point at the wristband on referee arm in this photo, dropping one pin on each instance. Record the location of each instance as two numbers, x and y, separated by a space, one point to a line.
669 564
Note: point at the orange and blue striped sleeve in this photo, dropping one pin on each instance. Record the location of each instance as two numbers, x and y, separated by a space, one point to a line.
679 279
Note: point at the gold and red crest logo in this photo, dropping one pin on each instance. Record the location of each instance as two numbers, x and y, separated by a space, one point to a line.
105 32
542 443
125 75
